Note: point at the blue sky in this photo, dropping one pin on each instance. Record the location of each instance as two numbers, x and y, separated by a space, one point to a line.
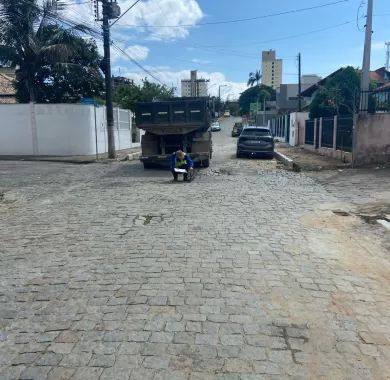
226 53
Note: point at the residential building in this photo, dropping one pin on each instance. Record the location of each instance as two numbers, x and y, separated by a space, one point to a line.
194 87
380 76
271 69
287 95
7 89
121 81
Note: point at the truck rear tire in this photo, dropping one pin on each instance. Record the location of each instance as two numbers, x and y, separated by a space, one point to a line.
206 163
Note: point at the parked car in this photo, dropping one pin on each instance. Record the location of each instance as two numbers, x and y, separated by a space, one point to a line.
227 114
215 127
255 141
237 129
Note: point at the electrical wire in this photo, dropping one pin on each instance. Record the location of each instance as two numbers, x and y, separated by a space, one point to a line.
127 10
217 49
358 14
239 20
95 34
116 47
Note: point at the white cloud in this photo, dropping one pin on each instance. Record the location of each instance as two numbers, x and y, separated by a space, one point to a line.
380 45
229 89
138 52
160 14
201 61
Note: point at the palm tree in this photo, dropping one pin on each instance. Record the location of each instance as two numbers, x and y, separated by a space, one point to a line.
25 43
254 77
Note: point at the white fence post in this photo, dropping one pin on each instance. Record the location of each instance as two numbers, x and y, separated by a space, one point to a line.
315 133
34 129
320 134
130 128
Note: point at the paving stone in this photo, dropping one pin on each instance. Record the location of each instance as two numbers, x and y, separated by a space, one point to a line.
35 373
161 337
156 362
104 361
252 353
60 373
239 366
128 361
87 373
130 348
24 359
49 359
142 374
206 339
232 340
115 373
257 269
61 348
73 360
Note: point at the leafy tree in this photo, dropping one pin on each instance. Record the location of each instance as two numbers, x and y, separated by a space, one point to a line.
68 82
339 96
255 94
127 95
28 41
254 77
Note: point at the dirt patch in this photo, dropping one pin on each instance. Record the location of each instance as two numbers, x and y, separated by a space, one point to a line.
305 160
342 238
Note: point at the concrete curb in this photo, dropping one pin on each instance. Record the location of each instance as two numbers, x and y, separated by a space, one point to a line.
286 161
133 156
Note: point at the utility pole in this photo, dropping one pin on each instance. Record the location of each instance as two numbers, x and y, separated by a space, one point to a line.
108 79
299 83
365 79
387 56
219 98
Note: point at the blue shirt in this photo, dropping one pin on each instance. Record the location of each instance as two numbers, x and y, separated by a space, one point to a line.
187 158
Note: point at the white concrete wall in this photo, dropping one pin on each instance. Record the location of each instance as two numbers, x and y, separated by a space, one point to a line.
59 130
15 129
372 139
65 129
297 128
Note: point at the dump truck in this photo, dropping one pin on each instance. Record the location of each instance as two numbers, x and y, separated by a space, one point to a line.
178 123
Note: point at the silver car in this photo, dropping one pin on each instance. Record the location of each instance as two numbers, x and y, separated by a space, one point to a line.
255 141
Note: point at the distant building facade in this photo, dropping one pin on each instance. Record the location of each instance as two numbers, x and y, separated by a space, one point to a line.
271 69
287 99
194 87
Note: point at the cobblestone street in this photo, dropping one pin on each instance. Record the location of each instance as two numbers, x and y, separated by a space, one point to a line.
112 272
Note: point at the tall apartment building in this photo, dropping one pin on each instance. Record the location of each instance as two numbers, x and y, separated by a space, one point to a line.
194 87
271 69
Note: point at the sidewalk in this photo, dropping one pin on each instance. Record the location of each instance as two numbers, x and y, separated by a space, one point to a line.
305 160
122 155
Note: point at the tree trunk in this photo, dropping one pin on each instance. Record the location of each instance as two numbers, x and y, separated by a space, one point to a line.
31 86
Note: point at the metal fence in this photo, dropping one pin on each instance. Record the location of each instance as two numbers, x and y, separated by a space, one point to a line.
327 132
375 101
309 132
280 127
344 134
314 129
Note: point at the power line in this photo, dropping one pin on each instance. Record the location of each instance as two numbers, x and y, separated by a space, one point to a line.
239 20
137 64
214 48
95 33
127 10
